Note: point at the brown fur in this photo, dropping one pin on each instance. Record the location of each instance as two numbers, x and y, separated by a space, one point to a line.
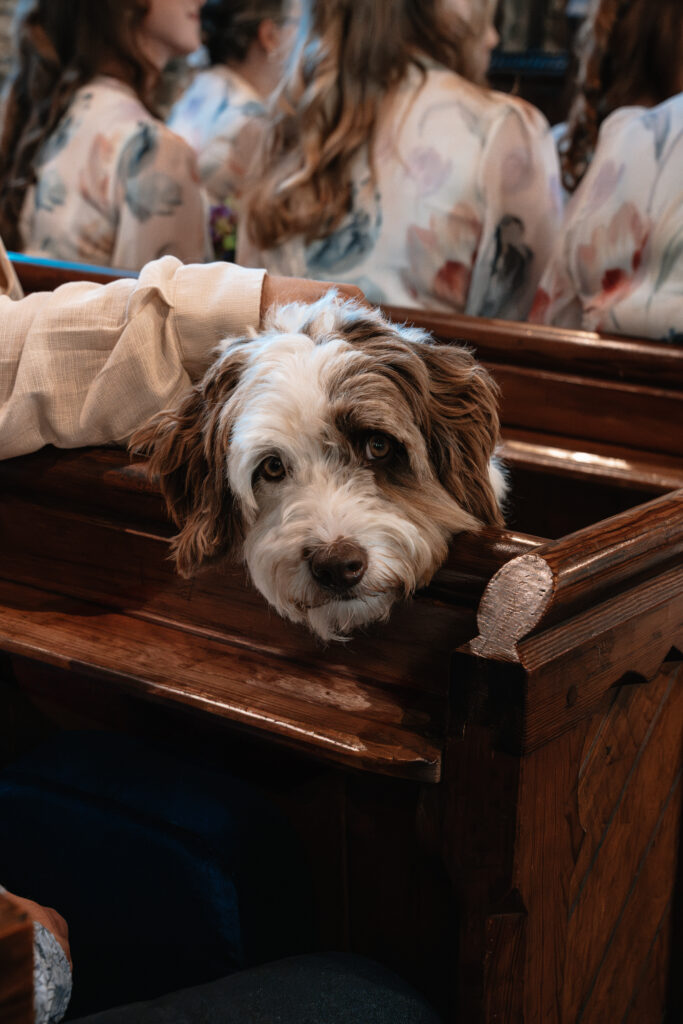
186 450
452 399
438 390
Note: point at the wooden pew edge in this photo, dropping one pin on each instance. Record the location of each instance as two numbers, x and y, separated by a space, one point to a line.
603 463
615 357
160 662
560 579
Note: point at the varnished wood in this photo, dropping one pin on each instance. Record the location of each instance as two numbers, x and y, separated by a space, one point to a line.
613 465
492 793
634 859
578 571
16 964
566 392
555 349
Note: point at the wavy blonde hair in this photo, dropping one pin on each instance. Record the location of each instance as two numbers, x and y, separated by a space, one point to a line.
348 55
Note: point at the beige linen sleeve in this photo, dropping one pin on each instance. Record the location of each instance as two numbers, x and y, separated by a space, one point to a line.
88 364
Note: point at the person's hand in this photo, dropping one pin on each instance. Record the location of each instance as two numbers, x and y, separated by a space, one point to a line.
48 917
278 291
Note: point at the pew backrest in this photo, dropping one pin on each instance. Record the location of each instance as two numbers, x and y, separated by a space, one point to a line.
604 406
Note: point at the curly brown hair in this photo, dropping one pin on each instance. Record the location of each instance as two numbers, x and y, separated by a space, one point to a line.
60 46
629 54
348 55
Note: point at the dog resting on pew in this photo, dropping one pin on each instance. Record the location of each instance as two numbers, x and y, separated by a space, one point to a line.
336 453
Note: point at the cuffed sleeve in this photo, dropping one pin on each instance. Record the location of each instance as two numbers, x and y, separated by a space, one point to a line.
88 364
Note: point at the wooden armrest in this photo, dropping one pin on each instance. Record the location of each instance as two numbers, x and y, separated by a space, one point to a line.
578 571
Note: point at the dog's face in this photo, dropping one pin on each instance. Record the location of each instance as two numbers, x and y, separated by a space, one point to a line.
337 453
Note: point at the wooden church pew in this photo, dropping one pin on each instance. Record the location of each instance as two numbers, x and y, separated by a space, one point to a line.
488 785
491 780
16 964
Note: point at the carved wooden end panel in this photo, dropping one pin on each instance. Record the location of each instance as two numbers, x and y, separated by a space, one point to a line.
572 728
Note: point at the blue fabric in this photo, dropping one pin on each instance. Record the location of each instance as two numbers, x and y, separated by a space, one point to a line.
167 873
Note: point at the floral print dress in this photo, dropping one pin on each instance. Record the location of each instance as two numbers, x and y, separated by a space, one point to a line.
462 211
618 264
114 186
213 116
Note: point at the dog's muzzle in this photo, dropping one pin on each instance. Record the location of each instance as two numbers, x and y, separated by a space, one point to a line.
338 567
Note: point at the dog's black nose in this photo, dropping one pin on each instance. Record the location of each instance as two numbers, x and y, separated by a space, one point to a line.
339 566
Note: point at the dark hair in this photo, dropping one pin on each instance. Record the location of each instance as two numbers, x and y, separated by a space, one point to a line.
230 26
629 53
348 55
60 46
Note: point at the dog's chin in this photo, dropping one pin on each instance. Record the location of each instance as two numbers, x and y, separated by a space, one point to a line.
333 618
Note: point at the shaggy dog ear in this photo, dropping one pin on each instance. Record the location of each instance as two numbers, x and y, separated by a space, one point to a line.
187 451
465 427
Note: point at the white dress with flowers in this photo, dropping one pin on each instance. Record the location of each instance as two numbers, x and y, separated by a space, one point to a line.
463 210
114 186
213 116
618 264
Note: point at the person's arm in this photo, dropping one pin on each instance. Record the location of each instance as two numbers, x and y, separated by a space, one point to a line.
162 209
520 183
89 364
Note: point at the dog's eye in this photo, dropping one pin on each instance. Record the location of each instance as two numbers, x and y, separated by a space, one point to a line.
378 447
272 469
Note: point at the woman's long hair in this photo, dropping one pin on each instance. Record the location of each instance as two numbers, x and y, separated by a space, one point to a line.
347 56
60 46
629 53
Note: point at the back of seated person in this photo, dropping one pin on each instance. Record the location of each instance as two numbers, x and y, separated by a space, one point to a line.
245 41
618 263
389 163
87 172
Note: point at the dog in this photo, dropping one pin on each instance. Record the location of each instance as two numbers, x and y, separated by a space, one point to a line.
336 453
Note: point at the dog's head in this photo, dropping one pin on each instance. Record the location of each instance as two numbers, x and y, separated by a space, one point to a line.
336 453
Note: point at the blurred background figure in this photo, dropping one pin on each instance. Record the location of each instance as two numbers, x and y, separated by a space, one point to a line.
618 263
629 54
87 172
245 43
390 164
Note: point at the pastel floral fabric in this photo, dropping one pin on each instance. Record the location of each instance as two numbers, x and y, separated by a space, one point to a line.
115 186
214 116
618 264
462 212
